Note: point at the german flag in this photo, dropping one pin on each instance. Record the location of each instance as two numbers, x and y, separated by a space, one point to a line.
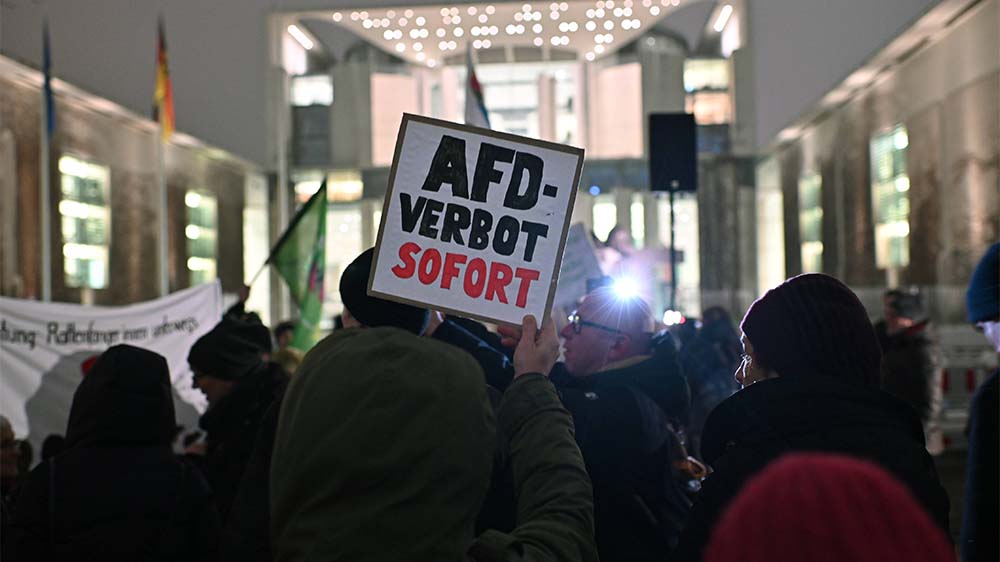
163 106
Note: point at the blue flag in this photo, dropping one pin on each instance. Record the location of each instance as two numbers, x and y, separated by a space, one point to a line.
50 109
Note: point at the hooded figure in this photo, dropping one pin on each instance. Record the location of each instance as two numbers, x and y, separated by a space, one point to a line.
810 377
116 491
246 537
240 385
384 450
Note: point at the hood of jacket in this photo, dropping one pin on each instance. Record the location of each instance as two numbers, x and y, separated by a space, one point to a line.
785 408
125 399
384 450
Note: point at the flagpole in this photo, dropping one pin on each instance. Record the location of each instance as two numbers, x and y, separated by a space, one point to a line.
163 243
45 201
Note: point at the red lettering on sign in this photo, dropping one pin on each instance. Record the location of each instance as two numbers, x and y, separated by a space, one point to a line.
431 257
479 276
526 276
475 288
406 269
450 271
500 276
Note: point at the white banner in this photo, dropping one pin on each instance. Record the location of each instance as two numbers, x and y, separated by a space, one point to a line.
579 264
474 221
44 345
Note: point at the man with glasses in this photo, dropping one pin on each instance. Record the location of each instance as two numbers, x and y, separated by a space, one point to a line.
624 389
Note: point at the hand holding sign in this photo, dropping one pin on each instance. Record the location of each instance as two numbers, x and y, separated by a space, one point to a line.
538 348
474 221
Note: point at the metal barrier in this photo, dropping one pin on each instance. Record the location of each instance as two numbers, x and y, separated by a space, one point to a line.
968 361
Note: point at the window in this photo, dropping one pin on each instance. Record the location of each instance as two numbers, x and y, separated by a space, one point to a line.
686 238
605 215
770 226
706 82
344 242
511 91
202 234
637 216
891 198
341 185
86 222
811 221
706 74
315 89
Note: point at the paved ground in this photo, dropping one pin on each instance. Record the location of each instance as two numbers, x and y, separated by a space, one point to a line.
951 470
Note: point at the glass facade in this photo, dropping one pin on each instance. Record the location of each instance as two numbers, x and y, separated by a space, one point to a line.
811 221
688 264
345 241
511 93
891 198
706 82
202 236
85 215
770 226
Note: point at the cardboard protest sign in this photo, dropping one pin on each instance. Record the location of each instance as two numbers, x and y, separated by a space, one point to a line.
474 221
579 264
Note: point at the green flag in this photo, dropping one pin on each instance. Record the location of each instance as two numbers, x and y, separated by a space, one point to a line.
300 257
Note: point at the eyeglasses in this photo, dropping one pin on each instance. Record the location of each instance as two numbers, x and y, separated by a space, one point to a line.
578 324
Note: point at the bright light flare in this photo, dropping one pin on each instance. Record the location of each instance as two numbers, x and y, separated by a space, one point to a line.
625 288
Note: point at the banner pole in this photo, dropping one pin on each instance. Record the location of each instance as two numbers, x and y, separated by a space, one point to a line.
256 275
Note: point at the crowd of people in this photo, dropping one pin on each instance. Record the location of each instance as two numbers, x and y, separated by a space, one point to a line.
803 433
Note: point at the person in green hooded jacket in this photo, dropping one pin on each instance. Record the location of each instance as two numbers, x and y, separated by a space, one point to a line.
385 445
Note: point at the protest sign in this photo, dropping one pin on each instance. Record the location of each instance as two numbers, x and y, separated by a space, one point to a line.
579 264
474 221
43 346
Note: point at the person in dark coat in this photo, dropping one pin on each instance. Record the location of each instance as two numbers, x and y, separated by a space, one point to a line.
810 377
709 361
52 446
980 535
625 391
116 492
240 385
911 361
247 534
385 447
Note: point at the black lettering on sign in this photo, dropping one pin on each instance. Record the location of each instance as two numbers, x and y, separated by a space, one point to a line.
505 238
533 164
428 226
410 211
479 236
486 172
449 167
456 219
533 230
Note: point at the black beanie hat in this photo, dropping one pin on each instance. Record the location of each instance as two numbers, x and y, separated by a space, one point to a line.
373 311
907 304
813 324
982 300
231 350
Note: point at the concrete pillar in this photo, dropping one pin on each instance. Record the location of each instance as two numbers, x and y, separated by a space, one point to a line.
726 216
547 107
350 115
